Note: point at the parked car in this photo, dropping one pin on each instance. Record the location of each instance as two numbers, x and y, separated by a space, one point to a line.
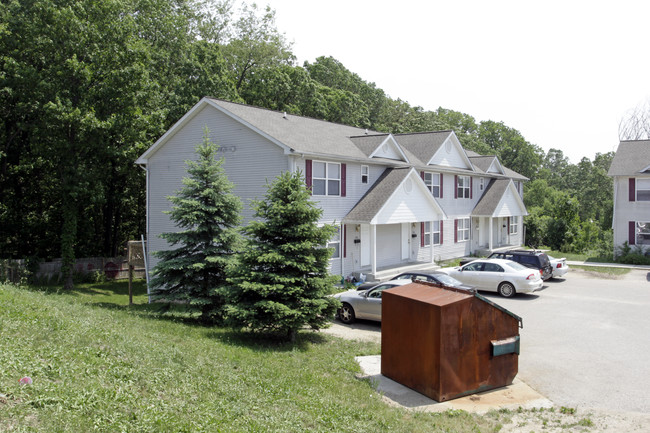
497 275
364 304
559 267
529 258
435 277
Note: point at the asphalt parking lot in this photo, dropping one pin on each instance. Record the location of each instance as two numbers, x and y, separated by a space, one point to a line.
586 340
585 343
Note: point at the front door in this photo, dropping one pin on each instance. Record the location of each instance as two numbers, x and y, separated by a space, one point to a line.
406 241
365 245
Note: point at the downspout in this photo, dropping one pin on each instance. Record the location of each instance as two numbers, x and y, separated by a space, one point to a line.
615 185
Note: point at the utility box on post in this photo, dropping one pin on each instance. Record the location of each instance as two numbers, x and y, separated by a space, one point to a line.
447 343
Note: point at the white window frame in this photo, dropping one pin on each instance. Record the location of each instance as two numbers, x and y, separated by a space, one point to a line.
335 243
432 181
329 177
427 234
463 186
481 184
514 225
365 173
645 191
642 233
435 231
462 229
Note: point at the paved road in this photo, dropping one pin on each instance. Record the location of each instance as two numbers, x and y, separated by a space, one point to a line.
586 341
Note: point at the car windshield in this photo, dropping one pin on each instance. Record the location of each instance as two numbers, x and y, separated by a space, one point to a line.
515 266
448 281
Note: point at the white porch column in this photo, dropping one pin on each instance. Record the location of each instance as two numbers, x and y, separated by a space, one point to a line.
343 239
431 240
373 248
490 242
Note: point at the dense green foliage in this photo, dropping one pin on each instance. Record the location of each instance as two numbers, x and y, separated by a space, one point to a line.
281 279
571 206
207 214
86 87
99 365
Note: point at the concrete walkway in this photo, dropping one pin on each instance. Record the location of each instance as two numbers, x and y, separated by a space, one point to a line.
510 397
607 265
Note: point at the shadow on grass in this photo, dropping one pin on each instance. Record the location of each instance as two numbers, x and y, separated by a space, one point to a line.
268 341
117 288
114 295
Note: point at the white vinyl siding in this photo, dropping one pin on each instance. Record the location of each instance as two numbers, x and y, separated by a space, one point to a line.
249 161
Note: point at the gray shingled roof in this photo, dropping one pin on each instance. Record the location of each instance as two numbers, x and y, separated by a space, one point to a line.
370 204
302 134
313 136
422 145
483 163
631 157
368 143
491 197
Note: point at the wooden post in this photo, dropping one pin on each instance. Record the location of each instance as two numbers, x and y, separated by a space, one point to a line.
130 281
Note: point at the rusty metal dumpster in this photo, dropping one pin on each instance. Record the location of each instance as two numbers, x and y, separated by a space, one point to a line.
447 343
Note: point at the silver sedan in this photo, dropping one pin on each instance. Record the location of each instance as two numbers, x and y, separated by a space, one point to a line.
364 304
497 275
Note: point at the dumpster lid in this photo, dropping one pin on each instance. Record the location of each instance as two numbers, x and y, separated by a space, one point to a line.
421 290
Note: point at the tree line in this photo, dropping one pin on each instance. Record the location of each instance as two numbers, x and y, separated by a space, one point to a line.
86 87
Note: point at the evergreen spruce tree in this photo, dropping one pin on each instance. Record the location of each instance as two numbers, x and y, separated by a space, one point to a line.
281 280
208 214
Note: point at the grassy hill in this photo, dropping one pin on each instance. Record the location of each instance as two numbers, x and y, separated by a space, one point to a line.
98 364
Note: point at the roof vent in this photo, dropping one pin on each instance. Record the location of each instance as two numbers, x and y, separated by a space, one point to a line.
284 115
366 131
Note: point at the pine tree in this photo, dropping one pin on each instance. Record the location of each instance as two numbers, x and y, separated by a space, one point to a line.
281 279
208 214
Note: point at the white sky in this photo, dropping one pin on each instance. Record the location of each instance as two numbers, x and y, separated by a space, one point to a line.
563 73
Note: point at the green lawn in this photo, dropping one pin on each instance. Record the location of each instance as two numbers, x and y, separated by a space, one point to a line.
98 364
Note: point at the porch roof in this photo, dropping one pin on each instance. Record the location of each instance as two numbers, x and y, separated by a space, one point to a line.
500 199
398 196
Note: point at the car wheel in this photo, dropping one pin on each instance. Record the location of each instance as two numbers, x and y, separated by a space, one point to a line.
346 313
506 290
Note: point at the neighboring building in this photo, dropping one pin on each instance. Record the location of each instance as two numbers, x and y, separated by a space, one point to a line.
398 199
631 172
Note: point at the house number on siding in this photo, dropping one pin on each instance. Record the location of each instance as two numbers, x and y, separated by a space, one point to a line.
227 149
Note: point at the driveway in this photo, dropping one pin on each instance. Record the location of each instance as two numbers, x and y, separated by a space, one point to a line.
585 342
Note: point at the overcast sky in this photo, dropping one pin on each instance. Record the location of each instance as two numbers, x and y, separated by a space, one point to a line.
563 73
